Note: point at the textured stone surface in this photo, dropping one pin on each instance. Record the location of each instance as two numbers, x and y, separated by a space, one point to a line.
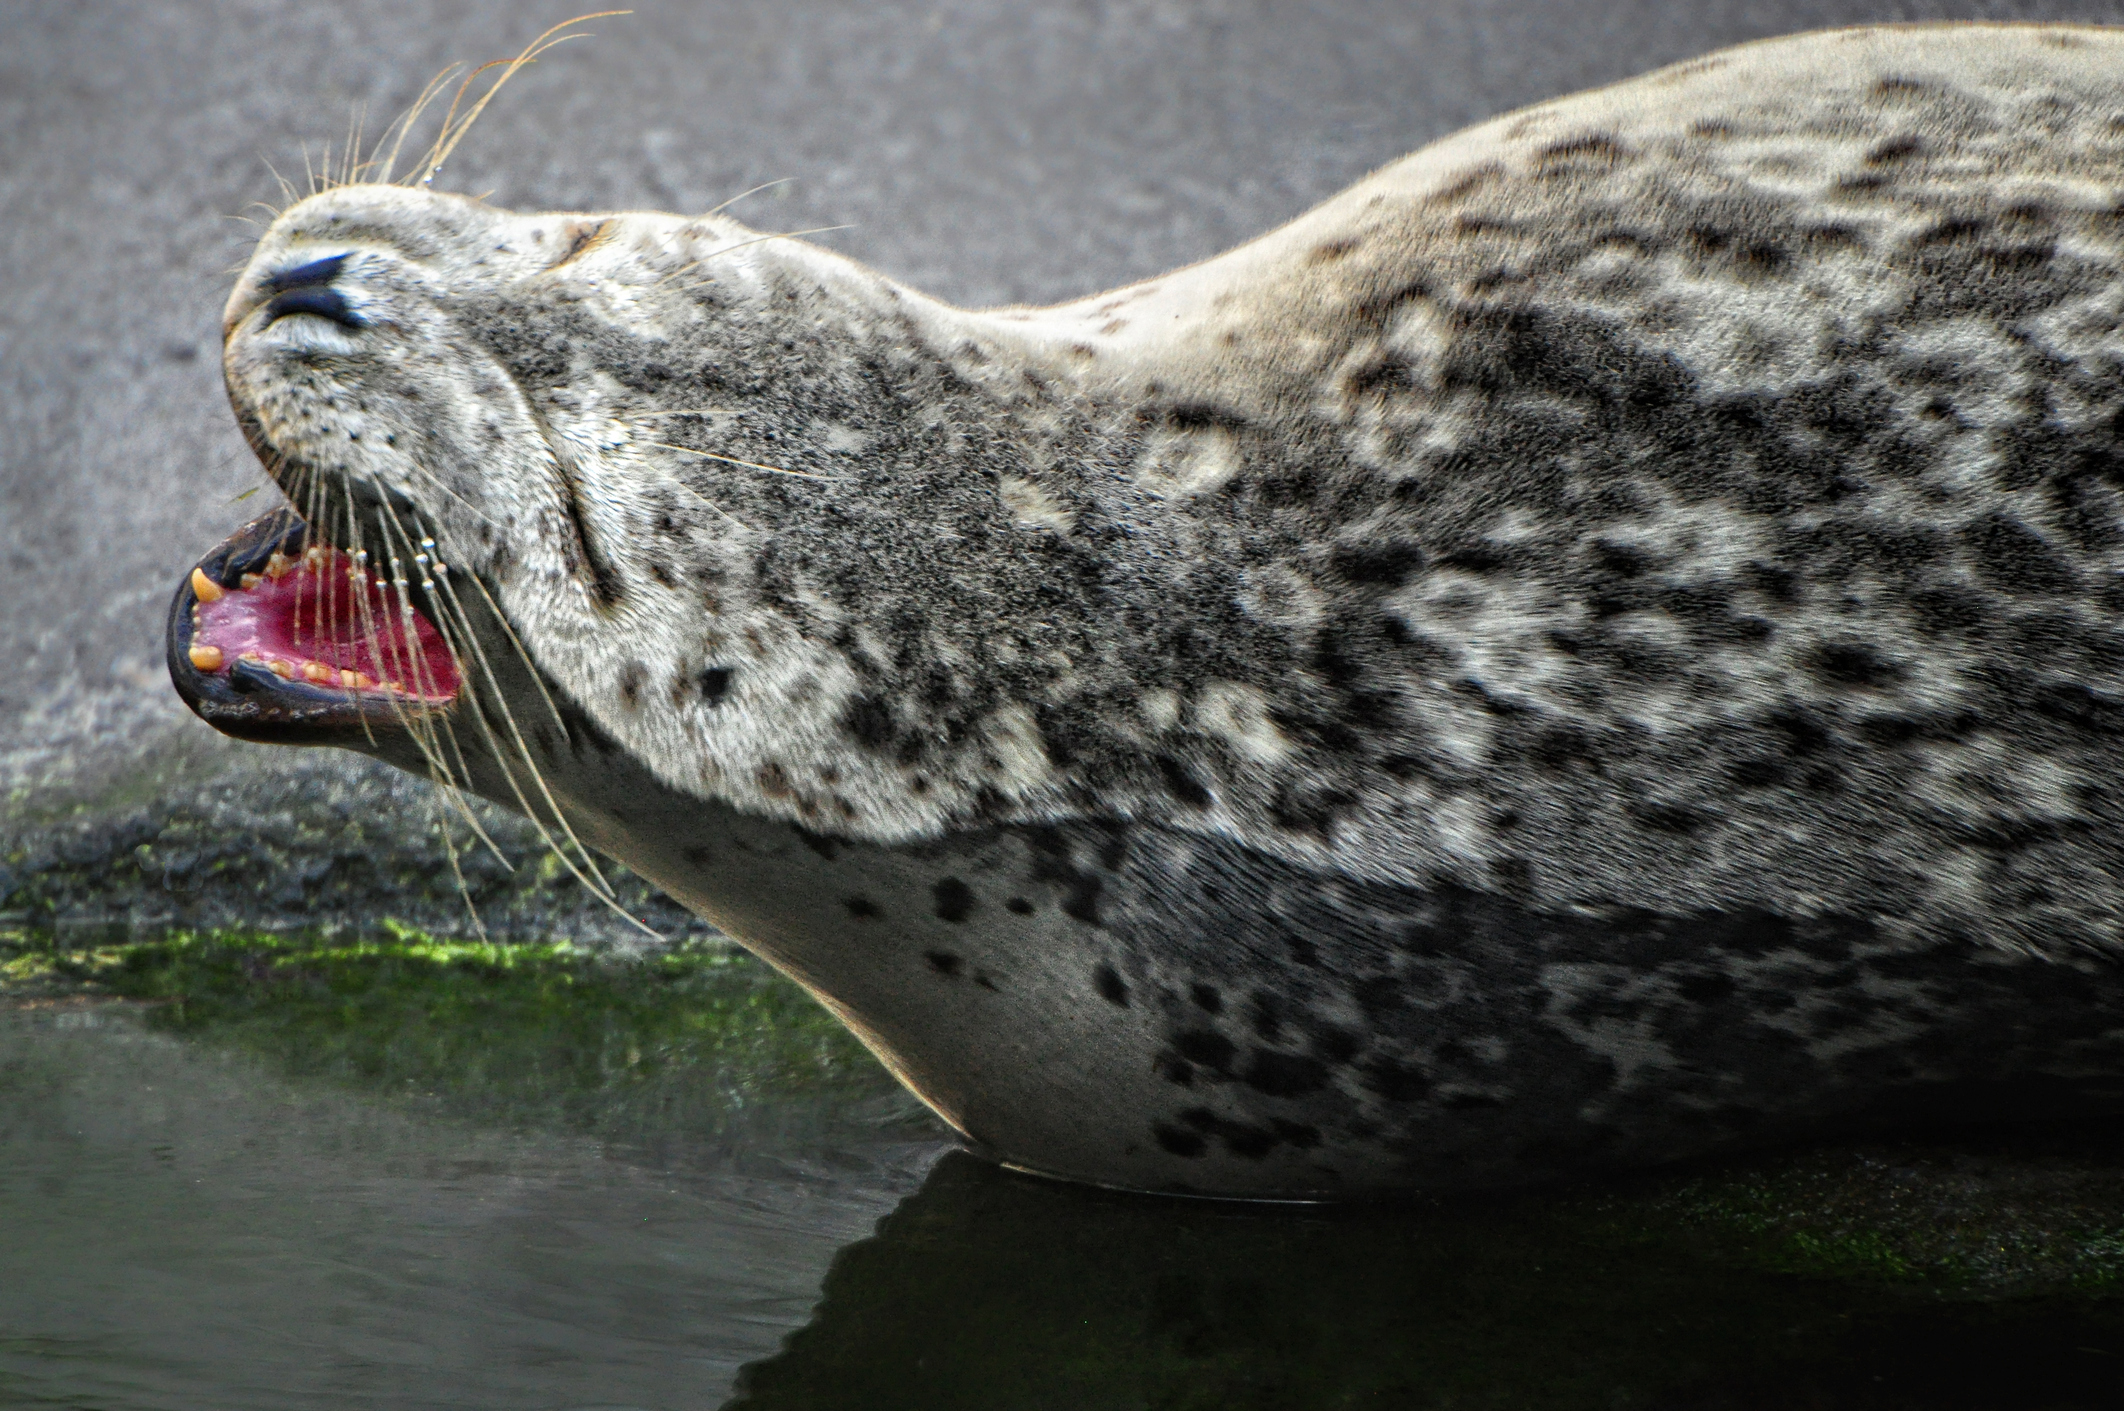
309 839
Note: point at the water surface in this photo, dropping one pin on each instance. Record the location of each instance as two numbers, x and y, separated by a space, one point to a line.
242 1172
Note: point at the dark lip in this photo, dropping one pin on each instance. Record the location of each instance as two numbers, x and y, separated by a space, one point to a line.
250 702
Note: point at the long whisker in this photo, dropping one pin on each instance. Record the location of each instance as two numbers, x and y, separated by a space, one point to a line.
399 130
778 181
287 188
451 135
600 887
537 678
458 874
449 731
739 245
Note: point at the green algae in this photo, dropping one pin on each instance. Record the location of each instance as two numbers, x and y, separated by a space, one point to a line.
1998 1212
545 1035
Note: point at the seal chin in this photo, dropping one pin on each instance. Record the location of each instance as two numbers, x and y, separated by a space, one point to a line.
277 638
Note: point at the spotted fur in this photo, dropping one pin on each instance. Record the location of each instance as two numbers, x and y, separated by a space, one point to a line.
1675 532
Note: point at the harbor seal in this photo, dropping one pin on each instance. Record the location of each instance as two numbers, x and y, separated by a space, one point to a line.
1597 644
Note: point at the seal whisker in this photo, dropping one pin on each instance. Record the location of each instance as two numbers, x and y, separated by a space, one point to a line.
698 261
599 887
537 677
400 127
754 191
454 129
457 873
287 188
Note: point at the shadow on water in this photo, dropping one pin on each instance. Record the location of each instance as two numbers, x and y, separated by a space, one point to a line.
246 1171
987 1289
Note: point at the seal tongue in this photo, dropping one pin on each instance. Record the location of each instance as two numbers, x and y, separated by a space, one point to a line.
318 619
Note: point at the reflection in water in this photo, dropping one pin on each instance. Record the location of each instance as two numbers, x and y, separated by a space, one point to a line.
991 1290
184 1230
186 1227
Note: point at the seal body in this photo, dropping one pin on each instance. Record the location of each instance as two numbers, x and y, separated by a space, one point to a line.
1598 644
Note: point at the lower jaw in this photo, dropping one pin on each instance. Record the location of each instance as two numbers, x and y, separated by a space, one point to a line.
277 638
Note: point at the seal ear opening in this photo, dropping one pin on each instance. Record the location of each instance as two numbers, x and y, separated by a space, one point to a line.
275 639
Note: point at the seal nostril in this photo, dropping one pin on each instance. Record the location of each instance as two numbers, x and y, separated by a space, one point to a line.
307 276
323 302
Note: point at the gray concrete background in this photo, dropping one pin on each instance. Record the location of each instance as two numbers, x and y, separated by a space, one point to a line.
986 150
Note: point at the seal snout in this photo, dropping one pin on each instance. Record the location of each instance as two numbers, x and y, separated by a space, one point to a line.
307 289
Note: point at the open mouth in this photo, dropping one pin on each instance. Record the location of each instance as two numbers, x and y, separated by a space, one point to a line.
273 637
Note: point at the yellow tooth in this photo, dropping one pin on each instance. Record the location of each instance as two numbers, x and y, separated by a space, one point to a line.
252 656
281 668
204 588
316 671
250 581
205 658
349 679
365 681
313 556
278 565
394 686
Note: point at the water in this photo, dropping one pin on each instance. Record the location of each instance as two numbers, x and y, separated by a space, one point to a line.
185 1229
188 1222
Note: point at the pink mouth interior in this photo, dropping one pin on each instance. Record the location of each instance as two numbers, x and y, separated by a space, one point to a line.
309 620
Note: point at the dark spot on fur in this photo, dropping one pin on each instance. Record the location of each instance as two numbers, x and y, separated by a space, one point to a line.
1206 998
1183 786
1706 989
1081 901
1265 1013
1335 249
714 684
819 843
1298 1134
1178 1142
1107 981
1018 906
1855 664
1396 1082
1284 1074
862 908
1336 1045
869 721
1895 149
1174 1069
1388 564
631 678
943 962
1239 1138
2014 557
954 900
1206 1047
1757 773
1590 146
